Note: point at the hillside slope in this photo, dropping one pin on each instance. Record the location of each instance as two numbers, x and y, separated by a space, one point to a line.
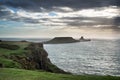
20 74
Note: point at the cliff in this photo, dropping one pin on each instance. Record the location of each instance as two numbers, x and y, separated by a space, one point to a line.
33 57
57 40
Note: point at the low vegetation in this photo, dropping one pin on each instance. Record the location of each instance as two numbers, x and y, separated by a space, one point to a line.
8 46
9 63
20 74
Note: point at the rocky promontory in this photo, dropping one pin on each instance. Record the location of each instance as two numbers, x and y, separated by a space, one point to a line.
30 56
58 40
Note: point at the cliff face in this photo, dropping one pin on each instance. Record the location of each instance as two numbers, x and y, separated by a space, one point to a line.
36 58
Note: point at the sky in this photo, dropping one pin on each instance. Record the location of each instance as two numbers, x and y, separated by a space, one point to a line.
60 18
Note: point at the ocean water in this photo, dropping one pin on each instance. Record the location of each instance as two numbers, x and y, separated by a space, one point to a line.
97 57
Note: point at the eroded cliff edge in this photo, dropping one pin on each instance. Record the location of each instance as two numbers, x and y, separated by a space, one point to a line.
35 58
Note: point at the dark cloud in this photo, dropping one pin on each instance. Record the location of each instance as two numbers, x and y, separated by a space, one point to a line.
87 18
49 4
89 24
26 20
8 15
84 21
117 21
3 11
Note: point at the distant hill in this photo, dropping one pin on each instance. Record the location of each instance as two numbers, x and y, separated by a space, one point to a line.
57 40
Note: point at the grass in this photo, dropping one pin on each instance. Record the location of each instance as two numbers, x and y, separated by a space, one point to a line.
20 74
9 63
5 53
19 51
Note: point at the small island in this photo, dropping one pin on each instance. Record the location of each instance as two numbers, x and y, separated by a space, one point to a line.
82 39
58 40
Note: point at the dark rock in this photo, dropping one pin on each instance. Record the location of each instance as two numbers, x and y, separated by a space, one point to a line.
1 65
82 39
26 48
0 40
23 41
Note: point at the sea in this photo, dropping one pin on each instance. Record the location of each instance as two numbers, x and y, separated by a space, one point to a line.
95 57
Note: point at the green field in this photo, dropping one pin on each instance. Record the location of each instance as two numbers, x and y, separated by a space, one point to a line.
21 50
6 53
20 74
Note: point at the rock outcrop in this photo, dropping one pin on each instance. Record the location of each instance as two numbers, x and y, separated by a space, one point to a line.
82 39
0 40
1 65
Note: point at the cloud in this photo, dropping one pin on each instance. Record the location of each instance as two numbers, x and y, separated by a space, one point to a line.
49 4
117 21
77 13
63 9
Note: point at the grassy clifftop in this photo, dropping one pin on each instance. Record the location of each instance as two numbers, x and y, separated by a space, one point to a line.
20 74
7 50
